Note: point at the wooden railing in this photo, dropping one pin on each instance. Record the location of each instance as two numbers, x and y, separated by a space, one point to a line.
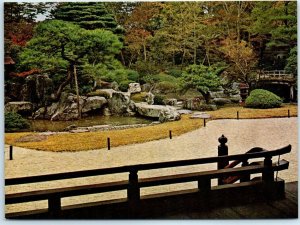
275 74
134 184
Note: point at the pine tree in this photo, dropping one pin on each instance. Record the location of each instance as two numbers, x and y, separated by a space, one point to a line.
88 15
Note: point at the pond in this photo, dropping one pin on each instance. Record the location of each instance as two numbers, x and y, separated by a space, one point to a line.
47 125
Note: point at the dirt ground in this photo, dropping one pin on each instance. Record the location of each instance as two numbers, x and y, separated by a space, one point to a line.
242 135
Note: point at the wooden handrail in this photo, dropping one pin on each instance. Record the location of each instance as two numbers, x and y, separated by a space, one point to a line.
140 167
145 182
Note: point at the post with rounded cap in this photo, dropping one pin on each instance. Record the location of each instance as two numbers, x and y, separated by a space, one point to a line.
222 151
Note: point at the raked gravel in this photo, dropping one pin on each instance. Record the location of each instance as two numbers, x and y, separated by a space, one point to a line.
242 135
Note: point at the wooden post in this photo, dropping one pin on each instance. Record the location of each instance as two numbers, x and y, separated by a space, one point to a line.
133 191
222 150
237 115
10 152
268 178
289 113
133 194
268 174
170 134
204 186
204 122
54 205
108 143
245 177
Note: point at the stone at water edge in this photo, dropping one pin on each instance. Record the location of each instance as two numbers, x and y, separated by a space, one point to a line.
19 107
163 113
121 104
200 115
93 103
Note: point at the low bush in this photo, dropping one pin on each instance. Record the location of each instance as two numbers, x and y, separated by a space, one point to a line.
123 85
15 122
133 75
175 73
262 99
138 97
159 99
167 87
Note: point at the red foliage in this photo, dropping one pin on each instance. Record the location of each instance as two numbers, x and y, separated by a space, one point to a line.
26 73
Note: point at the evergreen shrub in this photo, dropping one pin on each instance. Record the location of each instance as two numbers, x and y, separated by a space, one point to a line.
262 99
159 99
15 122
124 85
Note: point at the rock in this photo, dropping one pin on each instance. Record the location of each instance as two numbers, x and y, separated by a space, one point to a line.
218 94
70 127
193 103
146 87
66 108
134 88
37 89
115 86
93 103
13 90
170 114
150 98
108 92
106 112
235 98
185 111
23 108
199 115
121 104
170 101
221 101
163 113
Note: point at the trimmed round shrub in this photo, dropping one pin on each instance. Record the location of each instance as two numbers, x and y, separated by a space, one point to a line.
133 75
124 85
15 122
262 99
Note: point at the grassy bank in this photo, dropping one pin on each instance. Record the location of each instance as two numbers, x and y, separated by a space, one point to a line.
96 140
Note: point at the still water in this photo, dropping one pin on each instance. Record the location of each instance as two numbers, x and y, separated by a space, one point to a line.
47 125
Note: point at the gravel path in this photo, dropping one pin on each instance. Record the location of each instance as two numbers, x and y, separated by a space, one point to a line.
242 135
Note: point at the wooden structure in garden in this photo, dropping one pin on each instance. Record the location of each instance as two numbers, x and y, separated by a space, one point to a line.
254 180
278 77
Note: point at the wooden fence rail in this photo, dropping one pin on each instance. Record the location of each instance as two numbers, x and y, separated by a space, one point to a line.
133 185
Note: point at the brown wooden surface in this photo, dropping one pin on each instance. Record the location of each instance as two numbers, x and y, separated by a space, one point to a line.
283 208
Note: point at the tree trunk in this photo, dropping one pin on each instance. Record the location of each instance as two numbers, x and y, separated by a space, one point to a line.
61 87
77 92
206 96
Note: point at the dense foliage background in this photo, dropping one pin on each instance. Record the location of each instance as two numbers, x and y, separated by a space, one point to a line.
151 42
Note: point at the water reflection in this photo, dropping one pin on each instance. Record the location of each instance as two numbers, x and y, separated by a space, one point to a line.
47 125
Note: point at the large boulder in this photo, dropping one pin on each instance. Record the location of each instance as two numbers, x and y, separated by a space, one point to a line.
121 104
198 104
23 108
93 103
163 113
37 89
67 109
193 103
134 88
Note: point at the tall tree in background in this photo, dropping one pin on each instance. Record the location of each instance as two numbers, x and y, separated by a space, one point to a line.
88 15
274 26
